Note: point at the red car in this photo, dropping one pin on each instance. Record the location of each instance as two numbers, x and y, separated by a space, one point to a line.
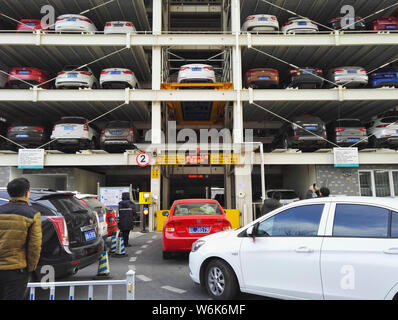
385 23
29 25
33 76
190 220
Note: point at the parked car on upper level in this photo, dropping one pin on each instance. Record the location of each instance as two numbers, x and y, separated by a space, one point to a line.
118 78
350 77
306 78
347 23
91 201
115 27
346 132
321 248
313 137
118 136
261 22
384 77
189 220
29 25
300 25
70 236
196 73
22 77
261 78
74 133
29 133
383 132
385 23
75 77
74 22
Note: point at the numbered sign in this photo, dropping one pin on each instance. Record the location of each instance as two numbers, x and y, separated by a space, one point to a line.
143 159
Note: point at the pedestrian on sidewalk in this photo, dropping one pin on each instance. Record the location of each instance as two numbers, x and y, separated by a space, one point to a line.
272 203
20 240
127 213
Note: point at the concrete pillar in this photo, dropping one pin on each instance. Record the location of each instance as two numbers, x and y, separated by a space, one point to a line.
243 192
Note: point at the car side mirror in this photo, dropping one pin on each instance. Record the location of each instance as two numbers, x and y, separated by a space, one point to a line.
251 232
165 214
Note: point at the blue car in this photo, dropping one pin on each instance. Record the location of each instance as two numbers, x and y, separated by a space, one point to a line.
385 77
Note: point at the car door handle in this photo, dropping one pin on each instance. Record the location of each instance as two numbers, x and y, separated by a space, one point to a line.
391 251
304 250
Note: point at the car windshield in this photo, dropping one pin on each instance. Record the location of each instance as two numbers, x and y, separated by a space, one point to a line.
349 123
71 120
196 208
118 124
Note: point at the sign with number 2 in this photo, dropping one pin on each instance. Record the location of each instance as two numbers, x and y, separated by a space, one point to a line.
143 159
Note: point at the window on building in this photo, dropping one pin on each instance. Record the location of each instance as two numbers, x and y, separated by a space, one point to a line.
379 183
365 180
382 183
354 220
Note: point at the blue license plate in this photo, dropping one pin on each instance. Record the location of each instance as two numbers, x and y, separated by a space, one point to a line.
116 132
391 27
311 128
21 136
90 235
115 72
31 24
24 72
72 75
198 229
196 69
352 71
307 71
263 78
71 19
68 128
262 19
353 140
302 23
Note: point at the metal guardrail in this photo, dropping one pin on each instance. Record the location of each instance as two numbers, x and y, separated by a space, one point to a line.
129 282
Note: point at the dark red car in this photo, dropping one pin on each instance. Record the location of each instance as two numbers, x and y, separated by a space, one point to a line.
30 75
29 25
385 23
190 220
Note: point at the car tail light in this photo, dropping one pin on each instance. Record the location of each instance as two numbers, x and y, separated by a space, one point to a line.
363 70
104 72
226 225
335 19
84 202
362 129
86 73
340 129
288 23
131 130
85 128
38 128
85 20
294 71
60 19
61 73
383 125
209 68
128 24
250 18
103 131
10 128
108 24
273 18
170 227
62 231
337 71
128 72
183 68
318 71
374 74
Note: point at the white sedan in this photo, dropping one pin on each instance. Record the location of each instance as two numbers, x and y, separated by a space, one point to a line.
118 78
322 248
196 73
299 25
119 27
75 77
74 22
261 22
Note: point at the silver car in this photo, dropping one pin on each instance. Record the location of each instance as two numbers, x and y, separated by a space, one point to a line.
350 77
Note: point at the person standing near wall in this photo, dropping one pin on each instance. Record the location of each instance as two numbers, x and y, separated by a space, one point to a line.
127 212
20 240
271 204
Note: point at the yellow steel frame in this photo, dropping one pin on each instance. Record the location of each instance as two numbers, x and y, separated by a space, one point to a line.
217 112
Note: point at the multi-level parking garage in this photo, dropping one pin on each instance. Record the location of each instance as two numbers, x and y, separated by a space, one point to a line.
172 33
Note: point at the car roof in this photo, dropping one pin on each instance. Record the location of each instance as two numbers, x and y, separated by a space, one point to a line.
195 200
384 201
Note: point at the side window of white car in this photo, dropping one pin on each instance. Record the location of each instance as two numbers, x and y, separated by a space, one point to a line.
394 225
302 221
361 221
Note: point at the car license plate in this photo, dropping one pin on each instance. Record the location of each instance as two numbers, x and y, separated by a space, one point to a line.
21 136
307 72
71 19
196 69
263 78
72 75
24 72
116 132
311 128
31 24
262 19
302 23
90 235
353 140
115 72
352 71
391 27
118 25
68 128
198 229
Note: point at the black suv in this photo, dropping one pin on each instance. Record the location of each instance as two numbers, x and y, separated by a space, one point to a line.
292 135
69 246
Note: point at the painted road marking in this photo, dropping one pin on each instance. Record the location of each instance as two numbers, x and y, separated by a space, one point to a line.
132 267
154 237
150 241
144 246
143 278
132 259
139 252
172 289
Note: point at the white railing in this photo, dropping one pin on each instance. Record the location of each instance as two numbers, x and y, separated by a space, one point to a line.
129 282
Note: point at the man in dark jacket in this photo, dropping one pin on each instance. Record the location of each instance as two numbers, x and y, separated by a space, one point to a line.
127 212
20 240
271 204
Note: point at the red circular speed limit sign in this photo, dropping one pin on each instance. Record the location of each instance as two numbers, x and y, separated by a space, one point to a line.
143 159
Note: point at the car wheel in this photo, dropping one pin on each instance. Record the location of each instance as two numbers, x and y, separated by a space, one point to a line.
373 142
220 280
167 255
285 143
92 145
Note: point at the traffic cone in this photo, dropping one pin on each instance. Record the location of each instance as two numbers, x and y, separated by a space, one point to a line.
103 267
120 250
113 243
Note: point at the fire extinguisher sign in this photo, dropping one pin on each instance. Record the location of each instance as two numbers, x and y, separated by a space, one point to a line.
143 159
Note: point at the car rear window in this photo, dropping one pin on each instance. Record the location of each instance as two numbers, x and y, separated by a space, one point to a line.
74 68
284 194
119 124
389 119
68 204
197 208
95 204
71 120
349 123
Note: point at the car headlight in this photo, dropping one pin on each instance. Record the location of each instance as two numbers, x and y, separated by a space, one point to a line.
197 244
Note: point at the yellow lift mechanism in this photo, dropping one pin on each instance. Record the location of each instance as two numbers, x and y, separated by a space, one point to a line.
217 109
